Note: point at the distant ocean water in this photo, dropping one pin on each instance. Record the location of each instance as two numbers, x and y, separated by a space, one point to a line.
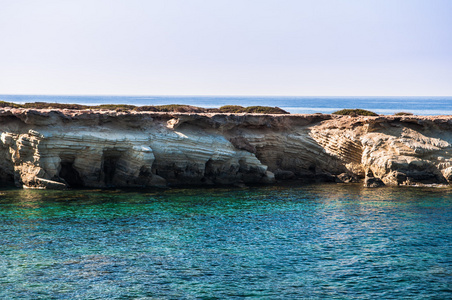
300 105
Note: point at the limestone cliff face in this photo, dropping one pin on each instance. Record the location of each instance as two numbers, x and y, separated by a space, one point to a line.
58 149
396 150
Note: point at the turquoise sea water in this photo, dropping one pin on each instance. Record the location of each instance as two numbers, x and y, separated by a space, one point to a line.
382 105
314 242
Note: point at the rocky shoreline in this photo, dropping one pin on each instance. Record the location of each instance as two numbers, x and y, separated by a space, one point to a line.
51 148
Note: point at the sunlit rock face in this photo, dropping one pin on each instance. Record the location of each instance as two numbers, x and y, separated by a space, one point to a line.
63 148
396 150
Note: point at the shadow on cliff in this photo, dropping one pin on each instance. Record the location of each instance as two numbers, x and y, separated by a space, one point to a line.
70 175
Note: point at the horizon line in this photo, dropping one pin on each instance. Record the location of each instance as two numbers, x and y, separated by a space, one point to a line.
222 95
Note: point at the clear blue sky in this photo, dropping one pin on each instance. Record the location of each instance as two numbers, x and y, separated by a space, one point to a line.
226 47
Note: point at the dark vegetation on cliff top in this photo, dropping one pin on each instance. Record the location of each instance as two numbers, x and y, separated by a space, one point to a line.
402 113
355 112
181 108
157 108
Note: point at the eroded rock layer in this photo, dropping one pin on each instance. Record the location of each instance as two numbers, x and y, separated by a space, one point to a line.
64 148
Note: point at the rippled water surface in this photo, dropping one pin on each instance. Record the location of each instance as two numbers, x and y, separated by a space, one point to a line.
315 242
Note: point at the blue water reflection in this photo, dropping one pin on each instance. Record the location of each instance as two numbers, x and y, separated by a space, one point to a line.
319 241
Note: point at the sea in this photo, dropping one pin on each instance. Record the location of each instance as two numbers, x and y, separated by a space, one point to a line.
295 105
291 241
332 241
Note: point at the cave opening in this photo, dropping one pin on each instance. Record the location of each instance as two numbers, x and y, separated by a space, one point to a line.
209 169
109 165
6 179
70 175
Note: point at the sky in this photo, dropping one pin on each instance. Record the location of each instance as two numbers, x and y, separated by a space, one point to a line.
226 47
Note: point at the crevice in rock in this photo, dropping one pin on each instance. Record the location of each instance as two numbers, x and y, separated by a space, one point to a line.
209 172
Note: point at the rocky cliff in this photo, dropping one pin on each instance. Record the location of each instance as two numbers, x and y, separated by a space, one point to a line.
68 148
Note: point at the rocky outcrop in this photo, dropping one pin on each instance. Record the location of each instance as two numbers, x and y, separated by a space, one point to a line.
65 148
396 150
